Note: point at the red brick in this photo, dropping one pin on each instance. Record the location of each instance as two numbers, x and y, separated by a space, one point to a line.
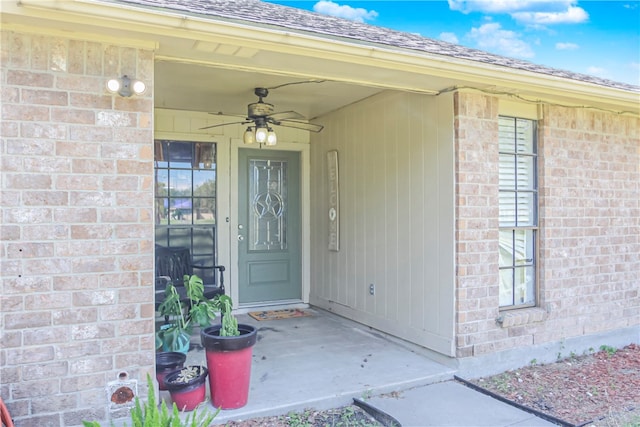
29 78
78 116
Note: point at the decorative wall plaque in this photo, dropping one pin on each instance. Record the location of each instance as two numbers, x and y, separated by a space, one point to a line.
334 201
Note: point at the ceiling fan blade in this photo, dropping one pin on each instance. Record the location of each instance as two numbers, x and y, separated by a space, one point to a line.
225 124
312 127
220 113
285 115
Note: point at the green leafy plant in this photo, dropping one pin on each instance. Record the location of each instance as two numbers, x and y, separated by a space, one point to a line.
229 321
197 309
150 414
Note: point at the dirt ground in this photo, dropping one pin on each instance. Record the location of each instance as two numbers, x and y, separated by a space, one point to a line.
601 388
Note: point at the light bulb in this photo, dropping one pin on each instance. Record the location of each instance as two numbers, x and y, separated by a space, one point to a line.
272 139
113 85
138 87
261 135
249 137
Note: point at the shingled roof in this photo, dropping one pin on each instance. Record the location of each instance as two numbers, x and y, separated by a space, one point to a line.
291 19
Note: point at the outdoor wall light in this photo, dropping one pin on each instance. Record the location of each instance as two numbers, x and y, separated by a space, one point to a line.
124 86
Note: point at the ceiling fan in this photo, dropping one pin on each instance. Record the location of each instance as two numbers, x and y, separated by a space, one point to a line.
262 115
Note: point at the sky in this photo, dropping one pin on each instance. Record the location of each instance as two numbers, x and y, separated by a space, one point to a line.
598 38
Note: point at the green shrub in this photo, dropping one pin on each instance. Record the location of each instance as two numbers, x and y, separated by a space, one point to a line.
152 415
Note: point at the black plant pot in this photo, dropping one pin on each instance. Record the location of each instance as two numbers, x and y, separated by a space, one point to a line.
166 363
229 362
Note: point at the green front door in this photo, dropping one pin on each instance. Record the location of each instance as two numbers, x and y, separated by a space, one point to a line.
269 234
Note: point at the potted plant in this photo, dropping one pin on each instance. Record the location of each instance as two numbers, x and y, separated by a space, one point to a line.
183 314
229 349
187 387
166 363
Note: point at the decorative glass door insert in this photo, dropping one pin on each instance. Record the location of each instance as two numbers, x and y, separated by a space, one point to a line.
269 218
268 215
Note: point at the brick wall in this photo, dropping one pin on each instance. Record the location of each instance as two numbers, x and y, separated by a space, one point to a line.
77 230
589 167
590 210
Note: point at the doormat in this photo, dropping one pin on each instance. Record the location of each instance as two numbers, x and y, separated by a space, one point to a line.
287 313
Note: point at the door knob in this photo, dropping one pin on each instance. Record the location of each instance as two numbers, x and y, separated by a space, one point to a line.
240 237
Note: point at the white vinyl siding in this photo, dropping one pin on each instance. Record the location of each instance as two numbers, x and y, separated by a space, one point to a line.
395 157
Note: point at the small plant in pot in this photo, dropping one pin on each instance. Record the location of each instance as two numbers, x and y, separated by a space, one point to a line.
183 314
228 350
187 387
166 363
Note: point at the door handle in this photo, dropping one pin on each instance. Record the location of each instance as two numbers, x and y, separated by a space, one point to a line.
240 237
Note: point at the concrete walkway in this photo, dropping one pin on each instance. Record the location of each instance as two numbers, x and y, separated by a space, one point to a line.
325 361
451 404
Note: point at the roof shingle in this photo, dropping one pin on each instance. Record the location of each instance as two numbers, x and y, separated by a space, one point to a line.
283 17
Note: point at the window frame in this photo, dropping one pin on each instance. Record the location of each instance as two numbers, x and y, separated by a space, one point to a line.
533 225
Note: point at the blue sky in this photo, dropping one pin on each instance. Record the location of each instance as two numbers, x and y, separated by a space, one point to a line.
599 38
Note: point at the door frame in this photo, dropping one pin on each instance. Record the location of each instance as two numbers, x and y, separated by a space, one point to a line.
305 220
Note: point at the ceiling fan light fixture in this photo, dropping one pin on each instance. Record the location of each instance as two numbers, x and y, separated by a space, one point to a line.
249 137
261 134
272 139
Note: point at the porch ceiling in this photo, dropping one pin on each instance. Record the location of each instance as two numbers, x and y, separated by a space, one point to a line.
210 89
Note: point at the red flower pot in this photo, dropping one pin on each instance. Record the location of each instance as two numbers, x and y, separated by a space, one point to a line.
187 395
229 363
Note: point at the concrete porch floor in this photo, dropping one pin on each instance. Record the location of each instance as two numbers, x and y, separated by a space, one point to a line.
322 361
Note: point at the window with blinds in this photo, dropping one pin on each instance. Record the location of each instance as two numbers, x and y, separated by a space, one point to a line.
518 211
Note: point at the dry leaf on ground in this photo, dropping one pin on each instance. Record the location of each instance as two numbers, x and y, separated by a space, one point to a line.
594 387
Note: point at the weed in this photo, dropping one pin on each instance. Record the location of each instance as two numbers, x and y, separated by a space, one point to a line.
366 395
295 419
533 362
608 349
346 417
559 354
501 383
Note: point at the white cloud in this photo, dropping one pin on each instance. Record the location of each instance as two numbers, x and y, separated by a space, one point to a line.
573 15
534 12
343 11
596 71
493 38
449 37
567 46
510 6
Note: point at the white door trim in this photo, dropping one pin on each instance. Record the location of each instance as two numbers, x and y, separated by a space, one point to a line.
305 220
